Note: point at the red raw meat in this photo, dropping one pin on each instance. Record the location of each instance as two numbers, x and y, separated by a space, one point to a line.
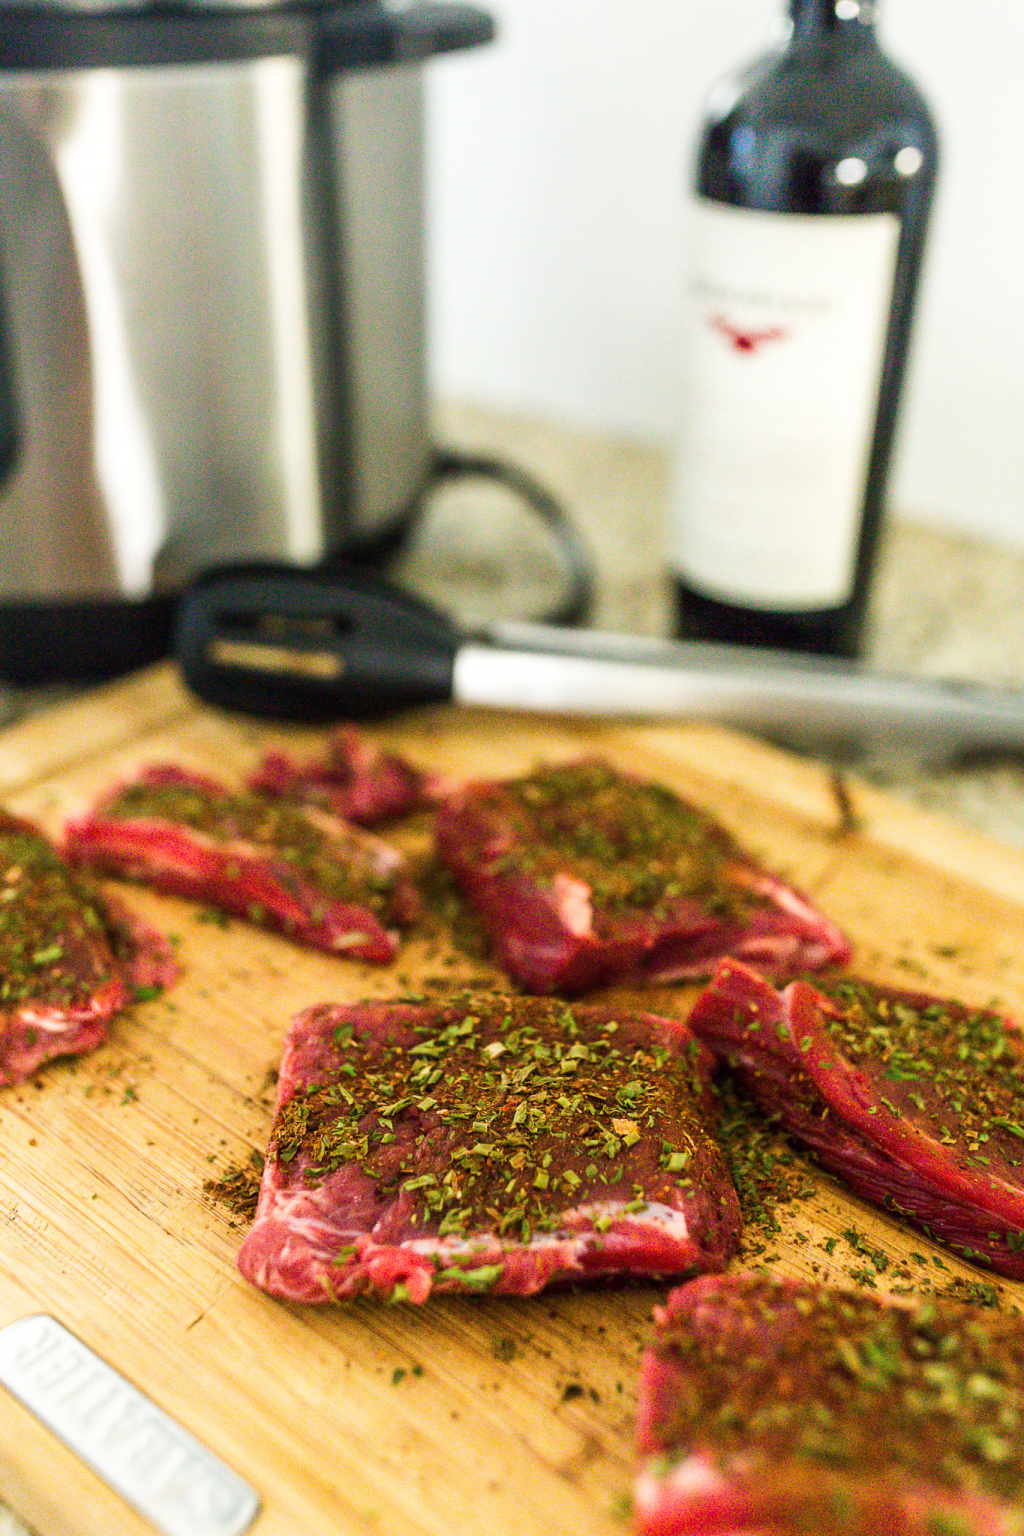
490 1144
774 1408
916 1102
583 876
353 779
296 870
70 958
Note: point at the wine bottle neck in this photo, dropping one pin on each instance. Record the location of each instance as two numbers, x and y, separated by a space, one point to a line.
817 18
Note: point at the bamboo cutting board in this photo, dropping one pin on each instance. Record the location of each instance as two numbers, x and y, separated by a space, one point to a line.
479 1415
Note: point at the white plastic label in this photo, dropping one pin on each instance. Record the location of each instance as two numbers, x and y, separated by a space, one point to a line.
172 1479
785 329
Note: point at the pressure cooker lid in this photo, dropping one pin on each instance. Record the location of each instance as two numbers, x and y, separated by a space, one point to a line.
343 34
171 11
106 7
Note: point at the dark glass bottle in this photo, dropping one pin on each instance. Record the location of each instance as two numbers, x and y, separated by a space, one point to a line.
815 173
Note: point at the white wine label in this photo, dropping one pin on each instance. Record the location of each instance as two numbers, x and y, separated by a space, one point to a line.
169 1476
785 328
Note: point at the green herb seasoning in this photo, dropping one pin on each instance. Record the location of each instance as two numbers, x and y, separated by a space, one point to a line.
56 943
636 845
779 1373
939 1062
498 1113
444 901
297 842
767 1173
239 1188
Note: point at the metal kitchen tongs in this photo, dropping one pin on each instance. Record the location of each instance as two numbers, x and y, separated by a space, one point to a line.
289 644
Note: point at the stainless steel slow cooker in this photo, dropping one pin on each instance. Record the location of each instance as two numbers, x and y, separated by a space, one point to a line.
211 303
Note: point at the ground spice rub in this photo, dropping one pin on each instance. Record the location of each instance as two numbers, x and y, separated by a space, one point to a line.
491 1144
582 875
917 1102
70 957
793 1410
297 870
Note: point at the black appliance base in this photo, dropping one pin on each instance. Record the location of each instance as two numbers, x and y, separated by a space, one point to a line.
86 641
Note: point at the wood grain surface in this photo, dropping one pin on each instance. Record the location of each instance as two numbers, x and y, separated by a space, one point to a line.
479 1415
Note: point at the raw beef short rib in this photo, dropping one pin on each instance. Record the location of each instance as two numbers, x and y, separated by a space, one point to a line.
491 1144
779 1408
352 779
583 876
70 957
916 1102
297 870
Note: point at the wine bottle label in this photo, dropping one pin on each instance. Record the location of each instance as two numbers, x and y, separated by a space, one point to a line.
785 327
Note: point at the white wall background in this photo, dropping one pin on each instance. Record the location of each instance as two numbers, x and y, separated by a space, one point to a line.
556 162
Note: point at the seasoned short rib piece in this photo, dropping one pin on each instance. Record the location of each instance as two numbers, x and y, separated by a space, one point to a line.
297 870
70 958
783 1409
916 1102
582 876
352 779
495 1143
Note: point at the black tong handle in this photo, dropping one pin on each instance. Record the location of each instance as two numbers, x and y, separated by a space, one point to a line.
311 645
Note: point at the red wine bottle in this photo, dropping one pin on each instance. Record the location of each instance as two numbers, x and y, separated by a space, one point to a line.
815 172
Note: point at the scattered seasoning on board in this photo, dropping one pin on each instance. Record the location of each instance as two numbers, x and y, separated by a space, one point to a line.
878 1259
53 925
635 844
239 1188
767 1172
621 1507
498 1112
443 900
839 1380
285 830
977 1293
212 915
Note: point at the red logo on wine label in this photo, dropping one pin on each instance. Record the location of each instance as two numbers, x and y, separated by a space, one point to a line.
746 341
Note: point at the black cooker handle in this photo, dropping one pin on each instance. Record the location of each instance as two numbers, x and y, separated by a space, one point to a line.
367 36
347 34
